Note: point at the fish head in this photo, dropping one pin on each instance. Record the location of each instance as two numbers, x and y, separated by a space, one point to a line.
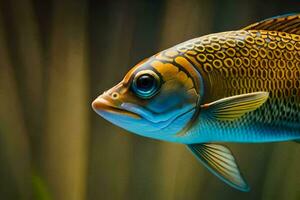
151 100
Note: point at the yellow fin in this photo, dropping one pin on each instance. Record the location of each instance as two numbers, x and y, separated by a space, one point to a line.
231 108
285 23
219 160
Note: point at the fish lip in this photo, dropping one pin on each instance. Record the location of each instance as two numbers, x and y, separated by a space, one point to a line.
101 104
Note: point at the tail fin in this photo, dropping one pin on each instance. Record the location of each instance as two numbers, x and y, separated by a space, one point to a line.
285 23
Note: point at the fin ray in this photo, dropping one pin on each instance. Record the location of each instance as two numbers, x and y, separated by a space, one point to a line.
224 167
226 162
231 108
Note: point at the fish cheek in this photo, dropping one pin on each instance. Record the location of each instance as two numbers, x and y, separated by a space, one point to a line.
172 96
128 96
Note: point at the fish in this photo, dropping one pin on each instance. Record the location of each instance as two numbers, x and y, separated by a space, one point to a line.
240 86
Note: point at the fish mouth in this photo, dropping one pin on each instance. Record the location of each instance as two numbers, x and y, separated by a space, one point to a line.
101 104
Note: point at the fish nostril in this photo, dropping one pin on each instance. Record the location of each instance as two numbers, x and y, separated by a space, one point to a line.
115 95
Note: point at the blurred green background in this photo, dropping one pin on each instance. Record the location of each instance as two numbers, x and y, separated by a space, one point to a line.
56 56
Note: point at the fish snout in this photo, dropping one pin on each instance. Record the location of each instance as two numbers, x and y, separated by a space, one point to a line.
106 100
109 102
99 103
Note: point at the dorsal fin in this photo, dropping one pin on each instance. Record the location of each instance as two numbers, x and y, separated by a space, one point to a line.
285 23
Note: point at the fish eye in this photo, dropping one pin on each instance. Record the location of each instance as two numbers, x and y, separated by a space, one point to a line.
146 84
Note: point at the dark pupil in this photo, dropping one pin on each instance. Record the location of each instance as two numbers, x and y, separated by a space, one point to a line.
145 82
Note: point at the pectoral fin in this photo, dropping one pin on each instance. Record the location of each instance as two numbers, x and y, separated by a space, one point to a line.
231 108
220 161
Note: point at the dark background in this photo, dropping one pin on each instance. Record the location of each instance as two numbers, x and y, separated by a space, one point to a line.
56 56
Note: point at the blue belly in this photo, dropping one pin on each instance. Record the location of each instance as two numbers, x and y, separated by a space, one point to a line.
243 131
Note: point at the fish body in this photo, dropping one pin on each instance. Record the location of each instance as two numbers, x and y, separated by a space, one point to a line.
236 86
240 62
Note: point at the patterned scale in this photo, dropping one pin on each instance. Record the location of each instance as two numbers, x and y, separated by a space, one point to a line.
239 62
